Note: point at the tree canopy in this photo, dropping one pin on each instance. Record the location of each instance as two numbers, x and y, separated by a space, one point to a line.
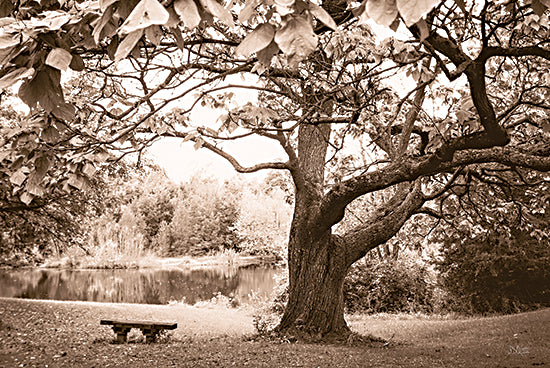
461 91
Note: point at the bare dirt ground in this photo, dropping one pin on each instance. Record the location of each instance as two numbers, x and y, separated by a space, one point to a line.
68 334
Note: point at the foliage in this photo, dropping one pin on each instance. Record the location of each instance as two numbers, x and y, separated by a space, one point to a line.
496 272
264 220
495 242
390 285
205 213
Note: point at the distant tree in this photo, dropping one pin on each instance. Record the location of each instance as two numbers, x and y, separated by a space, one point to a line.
470 90
205 214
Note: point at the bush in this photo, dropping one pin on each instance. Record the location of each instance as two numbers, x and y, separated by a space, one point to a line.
496 272
402 284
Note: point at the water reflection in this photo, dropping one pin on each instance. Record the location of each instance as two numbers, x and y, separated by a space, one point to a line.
136 286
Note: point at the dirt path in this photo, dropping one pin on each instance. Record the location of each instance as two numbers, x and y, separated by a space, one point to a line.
68 334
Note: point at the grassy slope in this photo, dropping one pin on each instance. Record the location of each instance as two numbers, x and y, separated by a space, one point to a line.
68 334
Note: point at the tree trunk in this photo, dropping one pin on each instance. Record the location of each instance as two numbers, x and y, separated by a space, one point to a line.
317 268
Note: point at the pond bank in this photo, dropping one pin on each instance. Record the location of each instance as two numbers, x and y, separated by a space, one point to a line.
68 334
229 259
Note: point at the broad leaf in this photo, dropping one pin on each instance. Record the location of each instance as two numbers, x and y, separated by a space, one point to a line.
26 198
17 178
50 134
217 10
77 63
413 10
264 56
104 4
89 169
14 76
127 44
145 14
54 20
296 39
321 14
462 5
59 59
44 88
188 13
8 40
248 10
154 34
64 111
256 40
100 24
382 11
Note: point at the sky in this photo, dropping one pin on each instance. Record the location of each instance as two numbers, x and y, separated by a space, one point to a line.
181 161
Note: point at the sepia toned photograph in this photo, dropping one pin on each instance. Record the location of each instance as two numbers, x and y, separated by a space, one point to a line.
275 183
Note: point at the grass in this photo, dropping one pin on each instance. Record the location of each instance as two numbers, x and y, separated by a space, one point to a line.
63 334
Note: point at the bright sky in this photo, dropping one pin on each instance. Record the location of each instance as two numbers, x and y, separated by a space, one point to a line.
181 160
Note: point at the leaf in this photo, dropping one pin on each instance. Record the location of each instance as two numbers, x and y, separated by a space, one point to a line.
14 76
198 143
413 10
35 189
54 20
145 14
104 4
59 59
217 10
256 40
77 63
127 44
65 111
188 13
89 169
322 15
26 198
423 28
44 88
248 10
41 166
264 56
154 34
539 7
180 42
462 5
76 181
50 134
8 40
382 11
296 39
101 23
17 178
284 7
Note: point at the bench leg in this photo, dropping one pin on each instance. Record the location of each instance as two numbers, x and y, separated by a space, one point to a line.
121 334
150 334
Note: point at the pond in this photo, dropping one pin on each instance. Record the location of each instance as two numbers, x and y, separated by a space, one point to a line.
147 286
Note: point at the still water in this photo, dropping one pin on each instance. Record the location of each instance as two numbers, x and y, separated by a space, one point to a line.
146 286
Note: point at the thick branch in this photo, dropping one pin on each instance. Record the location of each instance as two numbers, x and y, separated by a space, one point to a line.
335 201
384 224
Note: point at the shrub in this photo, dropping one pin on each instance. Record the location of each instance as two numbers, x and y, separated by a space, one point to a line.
496 271
402 284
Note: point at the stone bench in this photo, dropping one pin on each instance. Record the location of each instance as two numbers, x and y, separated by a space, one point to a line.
149 329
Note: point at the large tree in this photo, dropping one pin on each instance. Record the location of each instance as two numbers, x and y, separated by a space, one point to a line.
472 90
